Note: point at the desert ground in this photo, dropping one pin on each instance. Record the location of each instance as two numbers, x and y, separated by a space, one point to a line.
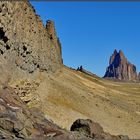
69 95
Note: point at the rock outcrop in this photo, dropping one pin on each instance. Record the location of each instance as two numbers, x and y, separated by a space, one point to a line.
81 69
18 121
55 40
26 46
25 43
94 130
120 68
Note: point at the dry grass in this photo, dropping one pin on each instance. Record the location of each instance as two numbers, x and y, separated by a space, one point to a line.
70 95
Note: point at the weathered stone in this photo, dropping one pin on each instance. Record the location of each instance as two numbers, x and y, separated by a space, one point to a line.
120 68
93 130
87 127
17 121
25 43
53 37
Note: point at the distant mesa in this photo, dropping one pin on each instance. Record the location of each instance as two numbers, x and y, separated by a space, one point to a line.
120 68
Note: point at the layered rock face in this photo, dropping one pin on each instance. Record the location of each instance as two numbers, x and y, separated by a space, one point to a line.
55 40
25 43
120 68
17 121
26 46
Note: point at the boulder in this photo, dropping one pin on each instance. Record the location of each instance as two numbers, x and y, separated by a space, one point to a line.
93 130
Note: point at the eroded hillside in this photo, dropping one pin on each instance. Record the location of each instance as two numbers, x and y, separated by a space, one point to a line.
69 95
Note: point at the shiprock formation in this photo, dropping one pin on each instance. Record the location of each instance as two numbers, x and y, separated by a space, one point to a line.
120 68
39 95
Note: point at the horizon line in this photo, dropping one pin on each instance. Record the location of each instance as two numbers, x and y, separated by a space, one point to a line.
87 0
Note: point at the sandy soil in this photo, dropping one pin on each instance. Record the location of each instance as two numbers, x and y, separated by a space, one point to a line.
69 95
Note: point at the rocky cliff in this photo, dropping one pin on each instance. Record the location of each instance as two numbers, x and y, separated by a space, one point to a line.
120 68
26 47
32 99
25 43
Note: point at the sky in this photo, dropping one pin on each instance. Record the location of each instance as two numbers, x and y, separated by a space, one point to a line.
90 31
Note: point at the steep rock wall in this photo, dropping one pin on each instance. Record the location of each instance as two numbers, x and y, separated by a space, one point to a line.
25 43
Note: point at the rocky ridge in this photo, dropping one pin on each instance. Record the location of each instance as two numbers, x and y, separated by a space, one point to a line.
26 46
120 68
25 43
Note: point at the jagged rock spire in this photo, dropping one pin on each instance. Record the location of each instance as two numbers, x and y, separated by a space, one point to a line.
115 51
120 68
50 27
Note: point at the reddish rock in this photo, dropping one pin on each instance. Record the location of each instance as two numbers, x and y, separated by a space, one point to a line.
120 68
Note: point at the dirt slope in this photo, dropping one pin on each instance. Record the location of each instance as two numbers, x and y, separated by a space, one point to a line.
69 95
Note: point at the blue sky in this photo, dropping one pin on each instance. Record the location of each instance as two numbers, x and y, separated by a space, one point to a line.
90 31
